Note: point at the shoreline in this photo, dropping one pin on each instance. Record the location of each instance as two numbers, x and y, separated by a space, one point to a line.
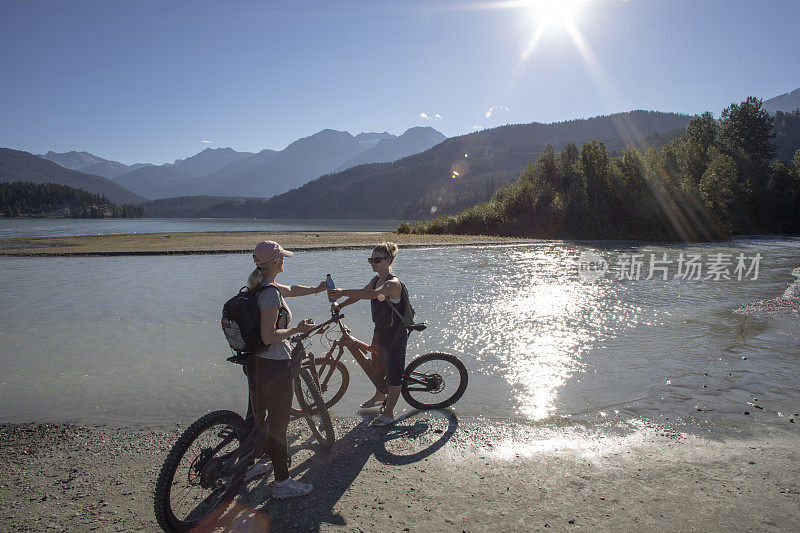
234 242
430 472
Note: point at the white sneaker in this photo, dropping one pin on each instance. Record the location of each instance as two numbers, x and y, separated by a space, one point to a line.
290 489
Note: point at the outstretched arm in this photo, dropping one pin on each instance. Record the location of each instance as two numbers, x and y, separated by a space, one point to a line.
390 289
350 300
288 291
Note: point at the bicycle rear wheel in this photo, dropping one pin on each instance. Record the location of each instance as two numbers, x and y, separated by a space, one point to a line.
434 381
197 475
313 408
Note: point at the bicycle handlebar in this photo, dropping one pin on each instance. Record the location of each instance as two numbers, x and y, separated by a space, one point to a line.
303 336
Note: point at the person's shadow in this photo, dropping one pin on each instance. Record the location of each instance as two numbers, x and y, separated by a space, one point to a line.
412 438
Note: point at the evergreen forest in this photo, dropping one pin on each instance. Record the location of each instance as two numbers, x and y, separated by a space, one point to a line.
717 179
50 199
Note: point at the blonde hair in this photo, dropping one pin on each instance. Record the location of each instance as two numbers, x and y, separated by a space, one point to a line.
388 248
254 279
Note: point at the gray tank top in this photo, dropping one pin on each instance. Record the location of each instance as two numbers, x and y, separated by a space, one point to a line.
271 297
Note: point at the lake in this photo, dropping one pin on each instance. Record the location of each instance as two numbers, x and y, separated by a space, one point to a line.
59 227
137 340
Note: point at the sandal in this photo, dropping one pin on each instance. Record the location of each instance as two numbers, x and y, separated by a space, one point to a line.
382 420
372 403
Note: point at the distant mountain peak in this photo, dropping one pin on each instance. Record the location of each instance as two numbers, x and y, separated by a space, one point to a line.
373 136
786 102
383 148
421 128
425 132
327 132
72 152
220 150
74 160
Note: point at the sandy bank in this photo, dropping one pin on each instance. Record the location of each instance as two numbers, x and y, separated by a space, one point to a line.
227 242
430 473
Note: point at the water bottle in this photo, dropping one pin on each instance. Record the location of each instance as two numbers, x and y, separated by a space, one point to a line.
331 285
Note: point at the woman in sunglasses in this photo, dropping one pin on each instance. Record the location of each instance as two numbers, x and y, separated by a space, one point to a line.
390 335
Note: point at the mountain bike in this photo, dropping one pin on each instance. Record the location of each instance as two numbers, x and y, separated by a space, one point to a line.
431 381
208 463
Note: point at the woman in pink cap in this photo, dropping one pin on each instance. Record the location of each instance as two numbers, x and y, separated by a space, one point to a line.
270 370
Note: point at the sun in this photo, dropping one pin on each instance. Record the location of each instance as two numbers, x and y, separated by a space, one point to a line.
550 14
554 12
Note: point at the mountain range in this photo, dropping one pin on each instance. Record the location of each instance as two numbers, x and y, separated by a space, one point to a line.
166 180
324 174
226 172
454 174
464 170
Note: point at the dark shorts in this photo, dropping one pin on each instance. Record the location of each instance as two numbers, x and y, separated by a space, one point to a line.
392 346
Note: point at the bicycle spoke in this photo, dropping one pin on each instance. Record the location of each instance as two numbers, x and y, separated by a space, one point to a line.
435 380
189 499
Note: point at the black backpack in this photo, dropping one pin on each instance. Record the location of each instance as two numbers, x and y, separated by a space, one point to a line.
241 320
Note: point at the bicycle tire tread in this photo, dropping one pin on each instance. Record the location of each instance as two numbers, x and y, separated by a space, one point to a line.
176 453
432 356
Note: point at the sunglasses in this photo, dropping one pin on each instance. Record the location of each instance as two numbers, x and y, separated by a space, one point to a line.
376 260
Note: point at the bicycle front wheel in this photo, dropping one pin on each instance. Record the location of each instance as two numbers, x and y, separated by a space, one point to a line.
196 477
313 407
434 381
334 378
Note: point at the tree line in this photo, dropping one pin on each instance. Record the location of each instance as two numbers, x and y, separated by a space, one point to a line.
719 178
40 199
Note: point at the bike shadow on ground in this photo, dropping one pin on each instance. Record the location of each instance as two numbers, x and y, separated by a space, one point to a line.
414 437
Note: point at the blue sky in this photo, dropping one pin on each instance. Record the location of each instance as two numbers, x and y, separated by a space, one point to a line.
149 81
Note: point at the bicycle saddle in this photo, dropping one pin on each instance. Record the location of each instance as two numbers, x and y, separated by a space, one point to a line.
417 327
239 358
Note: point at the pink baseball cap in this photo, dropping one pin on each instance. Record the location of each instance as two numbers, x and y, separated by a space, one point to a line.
266 251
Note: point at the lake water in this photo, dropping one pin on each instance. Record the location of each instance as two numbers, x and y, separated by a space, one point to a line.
137 339
58 227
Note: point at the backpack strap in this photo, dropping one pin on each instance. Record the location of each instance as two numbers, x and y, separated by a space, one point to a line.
261 287
280 297
396 311
389 300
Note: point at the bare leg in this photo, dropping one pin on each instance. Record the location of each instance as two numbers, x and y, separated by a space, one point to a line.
391 400
379 395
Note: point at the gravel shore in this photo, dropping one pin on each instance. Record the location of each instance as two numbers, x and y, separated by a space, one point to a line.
229 242
431 472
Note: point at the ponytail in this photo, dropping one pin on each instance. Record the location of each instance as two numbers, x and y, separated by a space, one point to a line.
254 279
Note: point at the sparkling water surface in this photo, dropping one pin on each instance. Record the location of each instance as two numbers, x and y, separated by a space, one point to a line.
137 339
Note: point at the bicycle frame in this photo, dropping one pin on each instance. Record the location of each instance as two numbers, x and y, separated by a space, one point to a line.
239 460
358 349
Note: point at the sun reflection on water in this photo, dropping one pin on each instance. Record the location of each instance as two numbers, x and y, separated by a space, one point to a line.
546 349
530 323
539 326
